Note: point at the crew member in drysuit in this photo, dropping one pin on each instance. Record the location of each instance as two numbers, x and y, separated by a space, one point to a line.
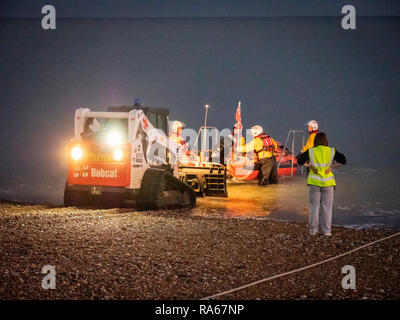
321 181
312 128
266 150
87 131
176 134
90 128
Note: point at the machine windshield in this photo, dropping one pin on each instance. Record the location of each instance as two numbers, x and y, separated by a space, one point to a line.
110 131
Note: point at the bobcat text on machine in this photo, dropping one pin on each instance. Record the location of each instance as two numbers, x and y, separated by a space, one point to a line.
124 157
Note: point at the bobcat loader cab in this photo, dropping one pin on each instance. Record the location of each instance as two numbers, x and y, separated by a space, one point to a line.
119 158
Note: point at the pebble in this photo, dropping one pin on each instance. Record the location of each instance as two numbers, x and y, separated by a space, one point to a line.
173 254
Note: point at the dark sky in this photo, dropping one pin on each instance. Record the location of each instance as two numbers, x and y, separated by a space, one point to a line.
197 8
284 70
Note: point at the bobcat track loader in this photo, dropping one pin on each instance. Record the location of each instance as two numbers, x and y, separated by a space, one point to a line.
123 157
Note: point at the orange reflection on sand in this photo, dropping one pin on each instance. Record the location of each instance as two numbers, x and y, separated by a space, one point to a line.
248 200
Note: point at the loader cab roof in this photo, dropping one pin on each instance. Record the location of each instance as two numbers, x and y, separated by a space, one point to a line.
157 116
146 110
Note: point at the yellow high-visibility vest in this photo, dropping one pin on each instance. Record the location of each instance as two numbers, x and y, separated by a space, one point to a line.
321 159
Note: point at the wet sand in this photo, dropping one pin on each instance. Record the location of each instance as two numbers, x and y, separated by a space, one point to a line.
176 254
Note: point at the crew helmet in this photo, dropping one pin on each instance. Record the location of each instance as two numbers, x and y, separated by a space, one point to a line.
176 125
256 130
313 124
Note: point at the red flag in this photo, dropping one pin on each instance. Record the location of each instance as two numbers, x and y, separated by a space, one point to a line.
238 115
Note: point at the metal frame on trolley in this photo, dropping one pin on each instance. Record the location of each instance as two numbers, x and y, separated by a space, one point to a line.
293 134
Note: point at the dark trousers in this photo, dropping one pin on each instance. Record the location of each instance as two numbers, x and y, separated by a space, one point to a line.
268 171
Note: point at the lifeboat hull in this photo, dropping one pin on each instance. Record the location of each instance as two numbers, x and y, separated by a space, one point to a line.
249 174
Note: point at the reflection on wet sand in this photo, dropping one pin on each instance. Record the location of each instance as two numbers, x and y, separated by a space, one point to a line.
249 200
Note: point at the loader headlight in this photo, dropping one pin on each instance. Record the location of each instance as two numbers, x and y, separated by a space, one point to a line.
76 153
118 154
114 138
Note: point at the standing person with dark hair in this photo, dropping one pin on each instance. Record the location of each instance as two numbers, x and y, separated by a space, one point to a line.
320 159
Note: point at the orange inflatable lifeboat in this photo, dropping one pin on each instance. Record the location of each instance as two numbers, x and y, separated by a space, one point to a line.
244 168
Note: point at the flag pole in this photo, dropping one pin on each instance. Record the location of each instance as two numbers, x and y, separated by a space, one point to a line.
237 133
205 133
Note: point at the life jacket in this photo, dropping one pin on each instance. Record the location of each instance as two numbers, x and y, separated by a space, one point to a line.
268 143
320 174
178 139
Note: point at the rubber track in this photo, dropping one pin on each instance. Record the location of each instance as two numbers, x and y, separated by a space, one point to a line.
154 182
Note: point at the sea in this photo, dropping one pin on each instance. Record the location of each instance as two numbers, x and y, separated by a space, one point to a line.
364 198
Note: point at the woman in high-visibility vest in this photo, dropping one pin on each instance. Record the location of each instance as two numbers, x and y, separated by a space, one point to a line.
320 159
